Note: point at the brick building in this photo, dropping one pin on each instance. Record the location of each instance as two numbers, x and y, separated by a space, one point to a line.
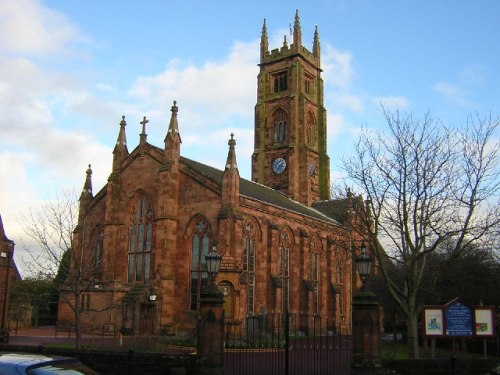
8 273
285 245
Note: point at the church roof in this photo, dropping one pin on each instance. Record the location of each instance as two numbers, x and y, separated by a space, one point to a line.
338 208
259 192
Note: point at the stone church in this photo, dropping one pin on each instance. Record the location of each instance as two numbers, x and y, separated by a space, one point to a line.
286 246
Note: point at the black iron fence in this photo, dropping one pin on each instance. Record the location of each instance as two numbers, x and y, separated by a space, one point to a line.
285 344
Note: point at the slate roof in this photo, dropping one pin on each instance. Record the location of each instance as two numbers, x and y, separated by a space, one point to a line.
335 208
260 192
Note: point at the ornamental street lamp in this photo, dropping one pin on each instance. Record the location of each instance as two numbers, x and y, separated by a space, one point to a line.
365 322
364 265
210 345
213 260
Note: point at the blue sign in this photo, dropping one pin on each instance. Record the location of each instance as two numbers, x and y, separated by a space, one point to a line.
458 320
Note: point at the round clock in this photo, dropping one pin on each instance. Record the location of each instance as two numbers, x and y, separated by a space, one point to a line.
279 165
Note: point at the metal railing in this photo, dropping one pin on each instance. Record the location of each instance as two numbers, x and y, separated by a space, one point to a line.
285 344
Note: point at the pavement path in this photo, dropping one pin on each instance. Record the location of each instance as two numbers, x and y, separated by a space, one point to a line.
35 336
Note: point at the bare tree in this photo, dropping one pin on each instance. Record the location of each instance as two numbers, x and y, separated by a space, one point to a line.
52 254
426 185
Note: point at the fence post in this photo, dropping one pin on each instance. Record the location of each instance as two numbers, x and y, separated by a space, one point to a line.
365 333
210 346
287 342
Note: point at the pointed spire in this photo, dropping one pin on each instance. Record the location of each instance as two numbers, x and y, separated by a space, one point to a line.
297 33
173 127
285 44
120 151
316 48
173 137
121 142
87 186
143 135
264 42
86 195
2 231
231 155
231 178
6 245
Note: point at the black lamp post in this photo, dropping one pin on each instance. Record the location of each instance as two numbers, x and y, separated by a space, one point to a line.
364 265
213 260
210 345
365 322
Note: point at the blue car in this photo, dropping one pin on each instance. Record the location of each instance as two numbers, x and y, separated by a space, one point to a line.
38 364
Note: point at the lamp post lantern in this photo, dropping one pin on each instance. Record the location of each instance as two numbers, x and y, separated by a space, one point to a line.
213 259
364 265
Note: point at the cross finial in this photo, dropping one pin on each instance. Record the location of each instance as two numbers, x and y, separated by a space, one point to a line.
174 108
232 142
144 122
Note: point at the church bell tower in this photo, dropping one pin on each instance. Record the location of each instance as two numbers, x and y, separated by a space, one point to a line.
290 120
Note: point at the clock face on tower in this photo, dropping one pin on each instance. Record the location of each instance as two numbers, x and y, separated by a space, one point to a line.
279 165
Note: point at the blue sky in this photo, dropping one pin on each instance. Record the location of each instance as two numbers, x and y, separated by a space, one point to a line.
69 69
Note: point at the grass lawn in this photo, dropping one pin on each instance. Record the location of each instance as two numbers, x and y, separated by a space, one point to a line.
399 350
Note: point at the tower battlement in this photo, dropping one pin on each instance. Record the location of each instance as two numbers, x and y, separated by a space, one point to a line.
288 51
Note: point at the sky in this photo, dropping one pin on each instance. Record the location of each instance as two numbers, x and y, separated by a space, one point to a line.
69 70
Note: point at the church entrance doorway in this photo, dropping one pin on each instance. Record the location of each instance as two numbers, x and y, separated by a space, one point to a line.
146 319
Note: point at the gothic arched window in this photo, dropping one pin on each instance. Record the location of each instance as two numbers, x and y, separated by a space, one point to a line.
280 126
314 272
97 251
199 248
310 128
284 247
248 261
140 241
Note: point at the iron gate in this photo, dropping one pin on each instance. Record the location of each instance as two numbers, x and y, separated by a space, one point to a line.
285 344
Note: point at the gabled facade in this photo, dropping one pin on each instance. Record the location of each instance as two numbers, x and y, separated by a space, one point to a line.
145 234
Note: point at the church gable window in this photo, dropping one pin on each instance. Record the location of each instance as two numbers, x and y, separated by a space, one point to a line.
248 262
199 248
280 126
308 84
280 81
140 242
284 248
310 128
314 273
339 278
97 245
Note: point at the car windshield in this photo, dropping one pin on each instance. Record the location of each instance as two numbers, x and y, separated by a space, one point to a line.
71 368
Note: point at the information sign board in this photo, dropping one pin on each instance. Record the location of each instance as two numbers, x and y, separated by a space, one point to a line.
433 321
458 320
484 321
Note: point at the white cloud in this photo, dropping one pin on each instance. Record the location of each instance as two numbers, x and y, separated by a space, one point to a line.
452 93
213 101
38 30
42 149
216 90
343 100
392 102
336 124
338 70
